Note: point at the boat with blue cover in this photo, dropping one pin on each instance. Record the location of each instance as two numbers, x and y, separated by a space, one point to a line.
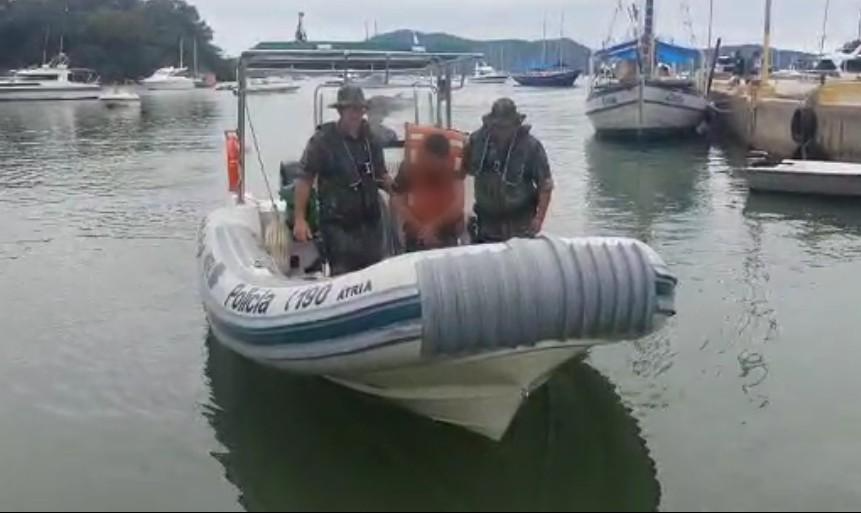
647 87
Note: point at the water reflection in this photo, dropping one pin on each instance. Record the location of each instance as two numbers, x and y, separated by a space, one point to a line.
825 227
633 186
297 443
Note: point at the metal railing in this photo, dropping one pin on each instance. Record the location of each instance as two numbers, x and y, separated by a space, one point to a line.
326 61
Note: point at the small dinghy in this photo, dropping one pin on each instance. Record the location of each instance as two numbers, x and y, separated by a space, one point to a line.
119 98
804 177
462 335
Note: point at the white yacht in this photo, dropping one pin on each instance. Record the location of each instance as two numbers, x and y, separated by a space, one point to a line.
845 62
52 81
272 85
170 79
485 74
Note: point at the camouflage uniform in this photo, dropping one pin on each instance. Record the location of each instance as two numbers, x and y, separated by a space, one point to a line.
508 181
348 173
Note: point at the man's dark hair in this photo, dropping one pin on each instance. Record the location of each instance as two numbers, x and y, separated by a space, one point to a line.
438 145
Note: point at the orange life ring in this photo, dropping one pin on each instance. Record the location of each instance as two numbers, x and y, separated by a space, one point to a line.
233 174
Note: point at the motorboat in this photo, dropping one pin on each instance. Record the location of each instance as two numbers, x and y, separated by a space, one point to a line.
118 97
485 74
461 335
170 79
52 81
816 177
265 85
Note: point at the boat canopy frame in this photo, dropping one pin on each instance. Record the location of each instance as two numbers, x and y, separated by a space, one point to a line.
326 59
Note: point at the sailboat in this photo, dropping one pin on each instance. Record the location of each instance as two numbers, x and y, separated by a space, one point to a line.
170 78
637 88
557 75
205 81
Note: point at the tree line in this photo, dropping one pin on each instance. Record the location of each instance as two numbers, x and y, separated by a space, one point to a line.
120 39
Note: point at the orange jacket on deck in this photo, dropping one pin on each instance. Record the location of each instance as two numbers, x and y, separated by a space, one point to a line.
432 184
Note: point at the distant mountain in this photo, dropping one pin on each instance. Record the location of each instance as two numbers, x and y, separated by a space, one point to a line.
505 54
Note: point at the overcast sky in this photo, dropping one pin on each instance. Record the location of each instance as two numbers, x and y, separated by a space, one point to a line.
239 24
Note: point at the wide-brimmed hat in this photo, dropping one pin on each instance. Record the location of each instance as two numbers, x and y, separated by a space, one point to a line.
504 110
350 96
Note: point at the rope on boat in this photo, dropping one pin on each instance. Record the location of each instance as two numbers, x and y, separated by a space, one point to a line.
276 239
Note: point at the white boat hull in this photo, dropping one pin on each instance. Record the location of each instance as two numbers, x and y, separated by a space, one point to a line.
169 85
806 177
117 103
482 394
489 80
42 93
424 329
657 110
267 89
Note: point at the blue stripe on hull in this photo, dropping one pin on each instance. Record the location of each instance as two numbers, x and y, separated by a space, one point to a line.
377 317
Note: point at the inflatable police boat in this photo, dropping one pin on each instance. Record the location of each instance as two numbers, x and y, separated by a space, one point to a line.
461 335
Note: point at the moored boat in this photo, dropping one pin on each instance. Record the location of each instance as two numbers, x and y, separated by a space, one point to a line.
52 81
814 177
552 77
637 88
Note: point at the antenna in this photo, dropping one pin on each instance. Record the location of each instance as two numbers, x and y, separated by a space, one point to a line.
711 21
766 45
301 36
824 28
376 32
367 34
63 33
45 46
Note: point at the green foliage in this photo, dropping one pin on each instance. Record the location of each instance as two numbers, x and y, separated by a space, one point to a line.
120 39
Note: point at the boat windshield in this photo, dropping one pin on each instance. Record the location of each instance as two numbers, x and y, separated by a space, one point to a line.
851 47
84 76
40 77
853 66
826 65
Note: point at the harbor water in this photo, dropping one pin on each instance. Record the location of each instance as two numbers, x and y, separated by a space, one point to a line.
114 395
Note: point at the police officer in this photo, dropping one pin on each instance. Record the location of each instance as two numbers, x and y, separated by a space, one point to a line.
513 183
348 166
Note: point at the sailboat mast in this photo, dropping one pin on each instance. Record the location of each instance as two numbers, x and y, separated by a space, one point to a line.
649 38
824 28
63 32
766 44
544 42
181 48
561 39
711 21
45 46
195 57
